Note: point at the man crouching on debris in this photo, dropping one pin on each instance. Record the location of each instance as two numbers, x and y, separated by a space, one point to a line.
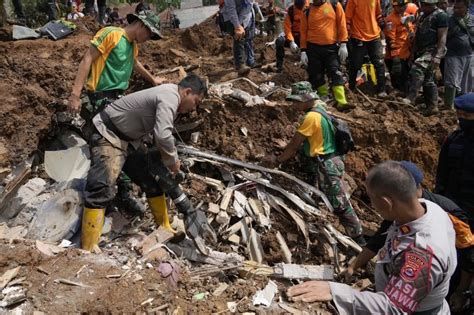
117 144
414 266
317 133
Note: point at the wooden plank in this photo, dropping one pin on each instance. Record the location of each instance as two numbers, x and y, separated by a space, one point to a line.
226 198
284 247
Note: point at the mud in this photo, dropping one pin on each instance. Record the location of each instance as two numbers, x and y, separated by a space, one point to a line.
35 80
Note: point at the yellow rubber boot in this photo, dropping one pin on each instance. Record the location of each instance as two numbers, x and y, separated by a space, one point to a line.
92 222
323 90
339 95
160 212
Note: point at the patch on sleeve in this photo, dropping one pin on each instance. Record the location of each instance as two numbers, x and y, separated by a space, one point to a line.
409 283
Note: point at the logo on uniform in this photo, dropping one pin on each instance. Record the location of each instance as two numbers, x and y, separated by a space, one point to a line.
405 229
414 263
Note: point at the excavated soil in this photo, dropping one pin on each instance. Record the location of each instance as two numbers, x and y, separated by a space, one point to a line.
35 80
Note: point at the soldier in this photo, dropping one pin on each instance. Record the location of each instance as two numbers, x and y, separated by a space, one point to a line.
317 135
429 49
416 262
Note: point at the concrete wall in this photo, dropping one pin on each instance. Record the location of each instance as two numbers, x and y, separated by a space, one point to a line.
195 15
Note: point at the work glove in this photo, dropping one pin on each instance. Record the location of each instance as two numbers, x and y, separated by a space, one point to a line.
396 67
197 228
304 58
407 19
343 54
239 32
293 47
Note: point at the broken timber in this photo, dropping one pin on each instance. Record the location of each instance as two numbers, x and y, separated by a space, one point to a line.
189 150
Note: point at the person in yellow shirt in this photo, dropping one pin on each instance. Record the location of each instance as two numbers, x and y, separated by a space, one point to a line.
323 43
317 135
291 27
363 18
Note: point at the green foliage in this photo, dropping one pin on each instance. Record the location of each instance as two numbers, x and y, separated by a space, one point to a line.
164 4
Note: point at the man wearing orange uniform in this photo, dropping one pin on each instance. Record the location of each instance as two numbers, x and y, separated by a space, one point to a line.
363 18
398 27
323 42
291 26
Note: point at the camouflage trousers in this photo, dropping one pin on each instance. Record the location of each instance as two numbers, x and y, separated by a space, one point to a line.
330 174
422 74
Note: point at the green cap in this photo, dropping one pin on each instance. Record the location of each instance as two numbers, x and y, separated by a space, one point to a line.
151 20
302 92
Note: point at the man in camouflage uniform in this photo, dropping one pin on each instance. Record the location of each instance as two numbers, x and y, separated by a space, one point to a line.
106 68
316 133
429 48
416 262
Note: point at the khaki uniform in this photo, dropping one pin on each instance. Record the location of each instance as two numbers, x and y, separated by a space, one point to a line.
412 272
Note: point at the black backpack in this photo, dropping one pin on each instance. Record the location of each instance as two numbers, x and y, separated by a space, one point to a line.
342 133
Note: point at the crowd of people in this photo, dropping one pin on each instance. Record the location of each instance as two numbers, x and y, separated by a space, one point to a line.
427 44
75 10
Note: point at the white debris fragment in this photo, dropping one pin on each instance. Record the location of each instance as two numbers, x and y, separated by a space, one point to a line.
265 297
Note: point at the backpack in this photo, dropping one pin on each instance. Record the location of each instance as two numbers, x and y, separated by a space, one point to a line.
342 133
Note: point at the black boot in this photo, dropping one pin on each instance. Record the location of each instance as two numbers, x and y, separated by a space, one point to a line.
125 197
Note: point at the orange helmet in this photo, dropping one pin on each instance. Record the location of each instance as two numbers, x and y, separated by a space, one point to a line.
411 9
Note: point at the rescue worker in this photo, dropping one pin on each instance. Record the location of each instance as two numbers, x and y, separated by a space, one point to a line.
291 36
459 60
399 28
455 172
317 133
428 50
363 18
416 262
106 68
269 12
117 143
460 280
324 46
240 23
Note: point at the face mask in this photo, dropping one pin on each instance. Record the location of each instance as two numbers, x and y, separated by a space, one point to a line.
466 124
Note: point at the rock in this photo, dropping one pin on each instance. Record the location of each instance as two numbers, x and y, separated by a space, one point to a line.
23 196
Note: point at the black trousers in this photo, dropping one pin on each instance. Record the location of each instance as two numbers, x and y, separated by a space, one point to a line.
20 14
280 44
399 80
322 60
357 51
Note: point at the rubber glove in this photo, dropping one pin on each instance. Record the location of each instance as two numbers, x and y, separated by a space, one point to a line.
293 47
343 54
304 58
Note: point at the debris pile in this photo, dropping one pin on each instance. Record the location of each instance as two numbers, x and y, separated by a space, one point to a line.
274 227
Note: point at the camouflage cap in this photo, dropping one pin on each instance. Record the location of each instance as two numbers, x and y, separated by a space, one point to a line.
150 19
302 92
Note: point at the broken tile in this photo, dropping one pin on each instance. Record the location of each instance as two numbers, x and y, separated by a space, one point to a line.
213 208
304 272
265 297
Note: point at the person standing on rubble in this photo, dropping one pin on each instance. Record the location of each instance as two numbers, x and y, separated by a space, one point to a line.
291 36
364 18
399 29
239 17
429 48
106 68
316 132
459 60
324 47
416 262
461 279
118 142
